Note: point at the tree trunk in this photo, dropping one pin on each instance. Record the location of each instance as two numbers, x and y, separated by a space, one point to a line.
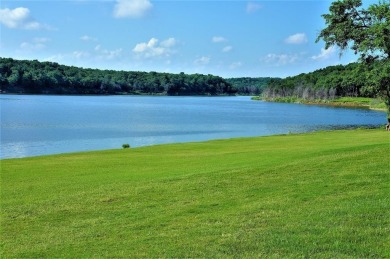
388 109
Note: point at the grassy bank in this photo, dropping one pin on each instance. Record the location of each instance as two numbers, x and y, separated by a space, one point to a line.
323 194
370 103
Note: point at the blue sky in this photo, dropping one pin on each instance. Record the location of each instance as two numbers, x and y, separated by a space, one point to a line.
225 38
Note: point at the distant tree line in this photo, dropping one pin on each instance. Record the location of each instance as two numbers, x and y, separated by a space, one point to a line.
353 80
249 85
23 76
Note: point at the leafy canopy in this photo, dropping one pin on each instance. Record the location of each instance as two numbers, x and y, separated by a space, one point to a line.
367 32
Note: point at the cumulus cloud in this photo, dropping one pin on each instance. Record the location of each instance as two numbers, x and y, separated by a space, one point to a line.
36 44
131 8
202 61
280 59
298 38
169 43
96 54
227 49
252 7
104 54
101 53
111 54
218 39
325 53
153 48
19 18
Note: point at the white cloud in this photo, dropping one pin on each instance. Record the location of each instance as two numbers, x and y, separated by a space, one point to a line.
101 53
280 59
111 54
55 58
97 54
252 7
202 61
218 39
35 45
19 18
298 38
171 42
144 46
153 48
88 38
325 53
227 49
32 46
131 8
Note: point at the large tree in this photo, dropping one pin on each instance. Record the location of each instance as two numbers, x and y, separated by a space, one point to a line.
365 31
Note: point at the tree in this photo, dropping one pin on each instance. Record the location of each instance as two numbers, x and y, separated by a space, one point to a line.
25 76
365 31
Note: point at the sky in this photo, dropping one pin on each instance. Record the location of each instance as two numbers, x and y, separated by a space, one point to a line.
234 38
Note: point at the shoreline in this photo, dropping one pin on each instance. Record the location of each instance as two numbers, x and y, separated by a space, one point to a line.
347 102
81 152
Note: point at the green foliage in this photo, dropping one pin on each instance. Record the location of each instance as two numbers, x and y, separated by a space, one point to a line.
378 104
354 100
22 76
294 196
327 83
367 32
334 82
363 102
248 85
125 146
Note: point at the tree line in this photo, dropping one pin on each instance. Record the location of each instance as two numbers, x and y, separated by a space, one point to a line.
34 77
366 31
249 85
354 80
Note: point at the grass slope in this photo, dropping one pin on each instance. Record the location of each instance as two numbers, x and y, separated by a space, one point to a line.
323 194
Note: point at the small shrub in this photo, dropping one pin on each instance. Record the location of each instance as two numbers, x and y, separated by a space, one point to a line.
126 146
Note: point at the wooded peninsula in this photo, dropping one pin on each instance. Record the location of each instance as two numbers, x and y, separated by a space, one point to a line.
35 77
352 80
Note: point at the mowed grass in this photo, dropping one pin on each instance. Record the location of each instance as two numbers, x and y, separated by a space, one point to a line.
316 195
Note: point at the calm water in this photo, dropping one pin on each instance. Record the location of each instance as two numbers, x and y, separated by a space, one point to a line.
38 125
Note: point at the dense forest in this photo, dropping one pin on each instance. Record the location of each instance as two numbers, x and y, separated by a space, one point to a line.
249 85
351 80
22 76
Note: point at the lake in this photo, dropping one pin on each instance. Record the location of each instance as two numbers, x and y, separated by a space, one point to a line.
34 125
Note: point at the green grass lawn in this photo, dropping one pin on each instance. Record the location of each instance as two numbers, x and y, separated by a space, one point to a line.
316 195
